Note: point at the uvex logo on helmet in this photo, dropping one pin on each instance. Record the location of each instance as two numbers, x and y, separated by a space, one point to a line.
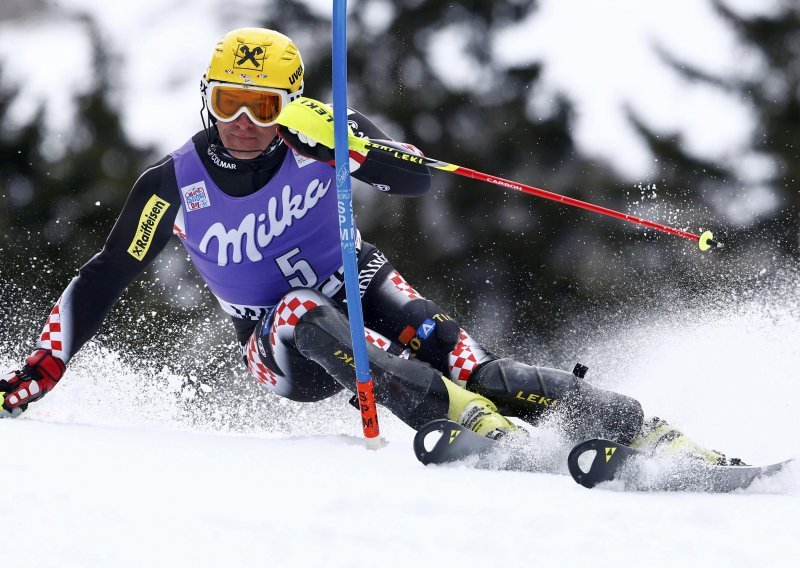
294 77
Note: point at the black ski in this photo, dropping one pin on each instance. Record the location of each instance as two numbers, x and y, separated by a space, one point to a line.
590 463
444 441
596 461
449 442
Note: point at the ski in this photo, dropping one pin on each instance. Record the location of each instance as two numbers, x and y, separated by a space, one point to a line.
444 441
590 463
449 442
596 461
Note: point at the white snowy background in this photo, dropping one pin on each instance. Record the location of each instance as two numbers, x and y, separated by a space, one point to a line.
104 472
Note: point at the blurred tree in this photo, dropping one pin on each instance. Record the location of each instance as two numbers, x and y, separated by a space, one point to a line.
58 210
60 206
15 9
773 95
59 203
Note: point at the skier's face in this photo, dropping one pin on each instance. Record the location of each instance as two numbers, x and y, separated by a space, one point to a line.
244 139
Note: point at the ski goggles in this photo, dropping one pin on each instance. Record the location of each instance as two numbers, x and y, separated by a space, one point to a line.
262 105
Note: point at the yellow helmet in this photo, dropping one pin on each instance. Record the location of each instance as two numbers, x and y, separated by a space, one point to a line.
257 57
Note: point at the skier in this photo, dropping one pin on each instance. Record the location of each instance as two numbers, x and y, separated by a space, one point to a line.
254 205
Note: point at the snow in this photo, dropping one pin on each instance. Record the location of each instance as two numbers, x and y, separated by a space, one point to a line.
106 471
100 496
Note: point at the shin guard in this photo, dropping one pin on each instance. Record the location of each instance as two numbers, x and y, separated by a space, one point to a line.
532 393
413 391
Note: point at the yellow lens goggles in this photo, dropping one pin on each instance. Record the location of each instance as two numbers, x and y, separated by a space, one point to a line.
262 105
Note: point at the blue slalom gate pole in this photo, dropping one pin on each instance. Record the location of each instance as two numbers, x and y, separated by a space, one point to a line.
347 230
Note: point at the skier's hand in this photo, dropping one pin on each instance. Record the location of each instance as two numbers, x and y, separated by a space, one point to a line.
40 374
305 145
445 330
306 126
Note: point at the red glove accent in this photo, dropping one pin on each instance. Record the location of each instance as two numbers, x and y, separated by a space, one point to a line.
40 374
47 364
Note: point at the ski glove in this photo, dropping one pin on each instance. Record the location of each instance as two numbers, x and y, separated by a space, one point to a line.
306 126
40 374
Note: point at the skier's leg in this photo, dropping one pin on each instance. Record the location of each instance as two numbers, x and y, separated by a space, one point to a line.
397 310
427 332
273 360
413 390
302 351
534 392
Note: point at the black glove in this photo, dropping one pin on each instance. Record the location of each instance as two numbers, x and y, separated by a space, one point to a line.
310 148
431 340
306 146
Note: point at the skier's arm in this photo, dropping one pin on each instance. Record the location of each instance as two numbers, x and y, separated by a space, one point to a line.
142 230
384 172
387 174
140 233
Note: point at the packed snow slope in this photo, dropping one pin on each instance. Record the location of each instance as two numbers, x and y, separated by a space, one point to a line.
108 471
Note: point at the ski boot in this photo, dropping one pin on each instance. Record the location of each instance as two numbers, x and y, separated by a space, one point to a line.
477 413
658 436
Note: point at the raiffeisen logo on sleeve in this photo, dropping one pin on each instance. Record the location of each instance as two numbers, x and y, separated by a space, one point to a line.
151 215
196 196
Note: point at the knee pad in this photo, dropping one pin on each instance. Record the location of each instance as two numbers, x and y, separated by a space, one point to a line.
532 393
445 329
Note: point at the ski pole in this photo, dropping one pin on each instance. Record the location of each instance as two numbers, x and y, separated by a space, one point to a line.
294 116
704 241
364 388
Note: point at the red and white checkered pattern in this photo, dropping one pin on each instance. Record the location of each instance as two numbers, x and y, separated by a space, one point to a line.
287 314
403 286
377 339
51 337
260 371
464 357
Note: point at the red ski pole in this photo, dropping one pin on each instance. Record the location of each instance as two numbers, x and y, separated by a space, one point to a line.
705 240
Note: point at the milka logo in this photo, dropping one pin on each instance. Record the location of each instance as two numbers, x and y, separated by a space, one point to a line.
258 232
